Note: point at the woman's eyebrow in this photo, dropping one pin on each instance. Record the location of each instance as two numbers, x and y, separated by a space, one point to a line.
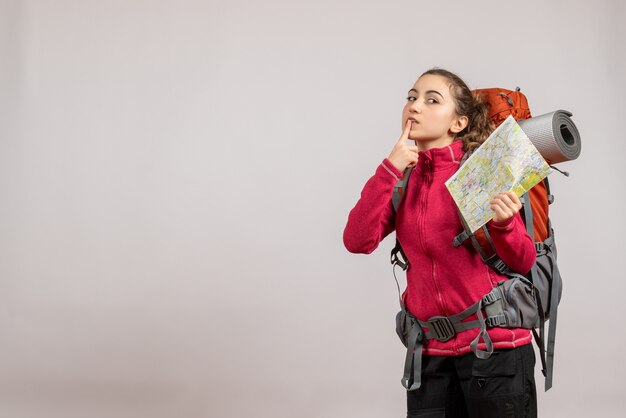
429 91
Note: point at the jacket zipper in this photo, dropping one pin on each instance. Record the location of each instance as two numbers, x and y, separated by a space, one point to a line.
421 221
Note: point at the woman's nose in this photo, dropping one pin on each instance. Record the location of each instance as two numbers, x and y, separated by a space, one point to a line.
416 106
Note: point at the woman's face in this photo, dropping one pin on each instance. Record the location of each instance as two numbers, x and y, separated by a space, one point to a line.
431 108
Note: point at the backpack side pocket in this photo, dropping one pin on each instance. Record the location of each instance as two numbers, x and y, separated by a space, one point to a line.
546 275
514 305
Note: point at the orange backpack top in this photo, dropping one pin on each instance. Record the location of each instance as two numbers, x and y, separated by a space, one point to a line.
503 103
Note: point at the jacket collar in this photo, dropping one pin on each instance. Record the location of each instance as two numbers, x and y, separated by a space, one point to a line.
440 158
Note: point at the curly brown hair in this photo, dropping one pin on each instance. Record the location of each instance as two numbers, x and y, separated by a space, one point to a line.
468 104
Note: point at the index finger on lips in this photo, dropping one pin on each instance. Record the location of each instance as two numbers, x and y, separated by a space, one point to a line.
405 132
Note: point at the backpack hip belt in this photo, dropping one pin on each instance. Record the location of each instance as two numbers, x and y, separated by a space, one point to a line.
502 309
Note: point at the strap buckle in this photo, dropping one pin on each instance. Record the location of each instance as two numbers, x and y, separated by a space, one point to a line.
458 240
498 265
540 248
490 298
496 321
441 328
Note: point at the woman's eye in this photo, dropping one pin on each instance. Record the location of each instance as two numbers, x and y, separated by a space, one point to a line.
411 98
431 100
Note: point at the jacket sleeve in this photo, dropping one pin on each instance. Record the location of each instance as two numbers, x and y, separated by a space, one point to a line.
513 244
373 217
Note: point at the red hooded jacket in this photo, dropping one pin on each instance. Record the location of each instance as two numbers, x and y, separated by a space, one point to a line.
441 279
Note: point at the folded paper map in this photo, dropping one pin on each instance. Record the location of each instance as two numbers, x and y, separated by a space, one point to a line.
507 160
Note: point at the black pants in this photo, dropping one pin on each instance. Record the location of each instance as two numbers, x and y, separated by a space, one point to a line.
465 386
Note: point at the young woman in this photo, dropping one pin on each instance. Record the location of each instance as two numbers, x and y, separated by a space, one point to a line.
445 121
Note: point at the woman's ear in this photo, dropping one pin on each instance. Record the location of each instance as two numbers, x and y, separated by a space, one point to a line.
459 124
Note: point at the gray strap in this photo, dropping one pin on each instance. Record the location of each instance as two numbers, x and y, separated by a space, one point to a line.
540 339
476 245
489 239
528 216
400 188
556 278
458 327
467 234
411 380
495 262
457 318
397 195
455 321
464 326
481 354
554 300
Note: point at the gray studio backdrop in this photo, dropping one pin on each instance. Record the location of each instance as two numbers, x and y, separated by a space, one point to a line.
175 177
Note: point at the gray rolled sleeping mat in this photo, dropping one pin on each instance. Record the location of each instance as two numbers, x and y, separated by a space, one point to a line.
554 135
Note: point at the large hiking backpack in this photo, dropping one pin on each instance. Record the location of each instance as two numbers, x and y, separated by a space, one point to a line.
522 301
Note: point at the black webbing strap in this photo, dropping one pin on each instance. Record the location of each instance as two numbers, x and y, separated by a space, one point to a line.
398 257
550 195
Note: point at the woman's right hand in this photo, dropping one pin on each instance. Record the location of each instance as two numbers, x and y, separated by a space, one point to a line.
404 155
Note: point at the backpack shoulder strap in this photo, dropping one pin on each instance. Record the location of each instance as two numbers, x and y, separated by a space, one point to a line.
398 257
400 188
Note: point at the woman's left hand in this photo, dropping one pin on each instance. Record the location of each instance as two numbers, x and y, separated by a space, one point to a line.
505 205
